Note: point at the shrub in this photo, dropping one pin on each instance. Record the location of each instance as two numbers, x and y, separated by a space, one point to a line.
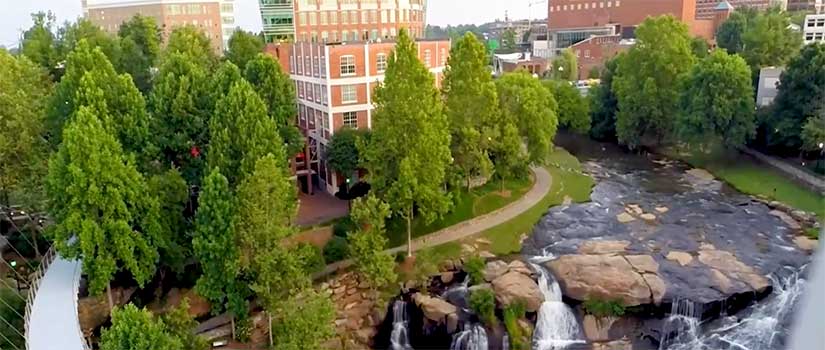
603 308
475 268
343 226
335 250
483 304
518 339
313 257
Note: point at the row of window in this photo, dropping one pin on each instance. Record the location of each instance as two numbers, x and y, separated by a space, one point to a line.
586 6
359 17
308 66
815 22
319 118
814 36
191 9
346 35
313 92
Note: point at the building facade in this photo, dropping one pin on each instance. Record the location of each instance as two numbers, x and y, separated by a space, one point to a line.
705 9
331 21
205 14
814 6
768 87
334 84
227 21
813 29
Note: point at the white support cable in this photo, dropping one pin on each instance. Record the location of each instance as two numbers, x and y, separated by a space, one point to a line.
12 328
11 308
13 269
10 342
8 285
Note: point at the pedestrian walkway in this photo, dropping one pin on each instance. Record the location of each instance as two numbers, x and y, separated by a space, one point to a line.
53 323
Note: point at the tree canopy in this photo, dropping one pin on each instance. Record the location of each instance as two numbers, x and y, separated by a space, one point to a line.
38 42
192 42
603 103
342 153
136 329
243 47
532 108
763 38
565 66
368 243
574 113
84 29
140 49
306 323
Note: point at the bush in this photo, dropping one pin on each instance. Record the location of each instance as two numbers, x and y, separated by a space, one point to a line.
335 250
344 226
312 256
483 304
475 268
518 339
603 308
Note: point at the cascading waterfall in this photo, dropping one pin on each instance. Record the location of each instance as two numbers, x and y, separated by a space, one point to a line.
682 325
557 326
473 337
505 342
399 339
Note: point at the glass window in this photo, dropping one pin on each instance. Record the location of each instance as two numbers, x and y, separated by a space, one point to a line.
427 57
381 62
351 119
313 18
302 18
348 65
333 17
443 57
349 94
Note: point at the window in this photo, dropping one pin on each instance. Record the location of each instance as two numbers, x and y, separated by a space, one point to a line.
443 57
300 89
302 18
381 62
351 119
618 3
333 17
586 53
349 93
313 18
348 65
427 56
318 93
586 6
578 53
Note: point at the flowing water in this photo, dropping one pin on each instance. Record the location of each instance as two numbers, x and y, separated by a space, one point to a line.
557 326
505 342
473 337
399 339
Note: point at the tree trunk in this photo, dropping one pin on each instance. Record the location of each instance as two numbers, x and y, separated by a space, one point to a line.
409 232
109 297
271 341
232 325
34 239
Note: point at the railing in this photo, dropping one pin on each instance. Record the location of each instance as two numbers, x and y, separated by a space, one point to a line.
34 285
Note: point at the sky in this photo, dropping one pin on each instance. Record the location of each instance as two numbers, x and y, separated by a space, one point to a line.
15 14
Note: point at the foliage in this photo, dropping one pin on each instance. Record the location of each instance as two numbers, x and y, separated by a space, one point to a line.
574 113
83 29
699 46
193 42
483 303
24 90
761 37
180 325
38 42
173 195
718 101
409 152
565 66
243 47
508 40
603 308
311 256
342 153
140 48
281 273
336 250
223 79
603 103
594 73
100 203
729 34
12 309
136 329
526 104
512 314
344 226
475 268
647 80
367 245
454 33
471 106
215 248
813 133
305 323
274 86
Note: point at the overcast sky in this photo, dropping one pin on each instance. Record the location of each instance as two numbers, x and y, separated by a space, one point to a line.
15 14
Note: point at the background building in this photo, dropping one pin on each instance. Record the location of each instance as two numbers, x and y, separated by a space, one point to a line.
341 20
817 6
813 29
205 14
768 85
227 20
705 8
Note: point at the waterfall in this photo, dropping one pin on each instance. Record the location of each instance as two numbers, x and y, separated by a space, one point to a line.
557 326
473 337
399 339
683 323
505 342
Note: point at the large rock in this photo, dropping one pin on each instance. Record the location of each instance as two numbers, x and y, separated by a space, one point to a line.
520 267
787 219
730 266
603 247
514 286
624 217
681 257
494 269
604 277
434 309
805 243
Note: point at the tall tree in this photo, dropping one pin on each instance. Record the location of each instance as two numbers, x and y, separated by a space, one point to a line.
215 248
305 322
410 146
763 38
278 93
718 102
83 29
368 243
647 80
100 205
729 35
136 329
813 133
39 43
574 114
193 42
508 40
343 155
180 325
243 47
140 48
173 195
603 103
524 100
471 106
699 47
566 66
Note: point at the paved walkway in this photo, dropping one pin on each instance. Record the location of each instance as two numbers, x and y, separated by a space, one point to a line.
319 208
476 225
53 323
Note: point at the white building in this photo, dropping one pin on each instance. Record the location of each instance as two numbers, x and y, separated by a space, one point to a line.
814 29
768 85
227 21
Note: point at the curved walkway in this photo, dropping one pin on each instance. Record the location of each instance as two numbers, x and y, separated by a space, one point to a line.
476 225
53 323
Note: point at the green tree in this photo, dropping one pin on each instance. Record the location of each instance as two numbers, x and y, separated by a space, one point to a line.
718 102
409 149
140 49
136 329
101 206
38 43
471 106
603 103
173 195
813 133
24 91
243 47
566 66
730 32
181 326
12 309
768 40
574 109
483 303
191 41
305 322
699 47
241 133
83 29
277 91
524 100
647 80
367 245
226 76
508 40
342 153
215 248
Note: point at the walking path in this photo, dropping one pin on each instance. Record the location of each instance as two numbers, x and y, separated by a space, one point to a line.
53 323
476 225
813 181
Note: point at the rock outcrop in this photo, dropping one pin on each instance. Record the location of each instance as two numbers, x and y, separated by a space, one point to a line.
494 269
434 309
514 286
608 277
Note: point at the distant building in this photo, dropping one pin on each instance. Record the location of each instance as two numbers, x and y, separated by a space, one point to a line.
334 84
813 29
506 63
227 21
814 6
592 52
768 85
208 15
705 9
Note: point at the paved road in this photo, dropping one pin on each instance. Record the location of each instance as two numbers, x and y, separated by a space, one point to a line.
53 324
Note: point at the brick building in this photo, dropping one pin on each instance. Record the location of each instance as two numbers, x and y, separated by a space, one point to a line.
592 52
341 20
706 9
334 84
213 16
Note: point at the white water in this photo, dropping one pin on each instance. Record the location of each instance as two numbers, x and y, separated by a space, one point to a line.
471 338
557 326
399 340
505 342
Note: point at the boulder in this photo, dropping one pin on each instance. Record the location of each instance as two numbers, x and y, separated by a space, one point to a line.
604 277
643 263
596 329
657 287
806 243
787 219
486 255
603 247
93 311
434 309
634 209
625 218
661 210
514 286
447 277
494 269
648 217
520 267
452 323
681 257
729 265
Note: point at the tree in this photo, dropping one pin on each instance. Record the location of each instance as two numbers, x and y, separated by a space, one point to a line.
647 80
100 205
140 48
136 329
566 66
24 90
813 133
305 322
215 248
471 106
277 91
38 42
191 41
483 303
574 114
508 40
243 47
524 100
718 102
367 245
729 34
83 29
173 195
180 325
603 103
763 38
409 149
699 47
226 76
241 133
342 153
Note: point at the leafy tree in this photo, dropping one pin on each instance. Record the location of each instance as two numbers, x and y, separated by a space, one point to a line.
813 133
83 29
483 303
101 206
278 93
305 322
647 79
603 103
215 248
281 274
180 325
173 195
367 245
801 95
241 133
761 37
574 113
718 101
508 40
475 269
524 100
136 329
140 49
226 76
38 43
243 47
409 150
730 32
24 90
699 47
471 106
342 153
594 73
193 42
12 309
566 66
